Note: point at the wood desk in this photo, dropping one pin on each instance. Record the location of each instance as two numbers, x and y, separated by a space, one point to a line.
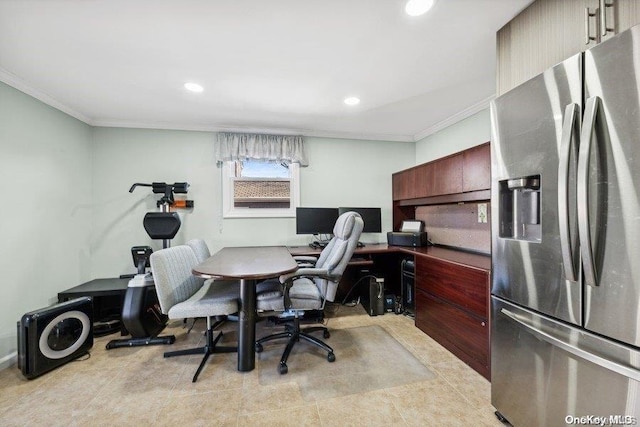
452 294
248 264
473 260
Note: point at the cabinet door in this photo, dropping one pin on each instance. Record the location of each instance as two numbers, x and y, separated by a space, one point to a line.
403 184
476 168
424 180
452 306
626 13
464 335
544 34
447 175
465 287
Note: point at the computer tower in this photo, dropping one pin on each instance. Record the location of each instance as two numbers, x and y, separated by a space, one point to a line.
53 336
408 269
372 297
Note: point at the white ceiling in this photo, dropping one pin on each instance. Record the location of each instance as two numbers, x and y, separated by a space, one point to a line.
271 66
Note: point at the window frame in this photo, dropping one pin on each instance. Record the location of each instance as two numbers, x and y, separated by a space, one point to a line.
230 211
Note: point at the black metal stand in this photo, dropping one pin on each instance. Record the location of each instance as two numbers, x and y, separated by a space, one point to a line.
246 326
142 317
138 342
209 349
294 333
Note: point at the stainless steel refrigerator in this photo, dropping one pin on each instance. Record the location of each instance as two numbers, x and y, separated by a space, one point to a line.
565 335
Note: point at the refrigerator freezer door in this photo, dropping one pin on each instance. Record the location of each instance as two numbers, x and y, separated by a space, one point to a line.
529 146
544 371
612 188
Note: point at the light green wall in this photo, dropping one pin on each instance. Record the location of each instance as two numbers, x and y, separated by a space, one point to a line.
45 169
467 133
342 173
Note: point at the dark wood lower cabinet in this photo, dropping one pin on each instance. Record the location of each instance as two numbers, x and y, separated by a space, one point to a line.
452 307
464 335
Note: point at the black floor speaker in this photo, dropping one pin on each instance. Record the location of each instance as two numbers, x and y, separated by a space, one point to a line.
53 336
372 297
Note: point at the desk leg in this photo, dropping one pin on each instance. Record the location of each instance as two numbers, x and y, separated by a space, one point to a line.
247 326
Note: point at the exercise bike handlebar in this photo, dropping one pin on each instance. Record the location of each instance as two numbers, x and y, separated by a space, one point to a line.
167 190
163 187
139 184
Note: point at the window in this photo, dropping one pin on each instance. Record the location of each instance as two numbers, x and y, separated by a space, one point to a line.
256 188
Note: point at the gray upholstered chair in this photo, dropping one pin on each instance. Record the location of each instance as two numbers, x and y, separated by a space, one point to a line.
200 248
309 287
183 295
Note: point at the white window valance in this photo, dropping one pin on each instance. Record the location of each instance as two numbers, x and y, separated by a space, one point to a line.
242 146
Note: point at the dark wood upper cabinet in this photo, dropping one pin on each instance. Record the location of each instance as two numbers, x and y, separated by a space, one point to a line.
447 175
476 168
468 171
402 183
424 180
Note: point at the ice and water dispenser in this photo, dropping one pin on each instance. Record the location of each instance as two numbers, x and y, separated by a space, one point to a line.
519 208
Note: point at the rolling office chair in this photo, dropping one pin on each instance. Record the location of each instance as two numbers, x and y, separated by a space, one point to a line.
182 295
309 287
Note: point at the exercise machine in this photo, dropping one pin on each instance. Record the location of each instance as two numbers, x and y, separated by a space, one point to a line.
141 314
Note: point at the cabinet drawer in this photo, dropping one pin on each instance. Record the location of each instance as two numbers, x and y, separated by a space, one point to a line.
463 334
465 287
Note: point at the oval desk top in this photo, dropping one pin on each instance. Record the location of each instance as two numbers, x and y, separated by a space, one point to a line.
260 262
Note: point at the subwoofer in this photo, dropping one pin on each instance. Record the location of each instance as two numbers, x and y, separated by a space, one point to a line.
53 336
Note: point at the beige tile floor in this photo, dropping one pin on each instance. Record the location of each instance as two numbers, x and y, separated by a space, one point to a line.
137 386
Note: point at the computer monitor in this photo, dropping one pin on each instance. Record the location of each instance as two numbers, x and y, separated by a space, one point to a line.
315 220
372 218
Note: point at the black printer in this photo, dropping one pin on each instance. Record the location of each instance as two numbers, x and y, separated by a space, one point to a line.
411 234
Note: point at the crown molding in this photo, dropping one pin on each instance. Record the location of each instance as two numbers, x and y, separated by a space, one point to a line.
248 129
19 84
467 112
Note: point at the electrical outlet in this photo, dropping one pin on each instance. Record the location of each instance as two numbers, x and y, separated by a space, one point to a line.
482 212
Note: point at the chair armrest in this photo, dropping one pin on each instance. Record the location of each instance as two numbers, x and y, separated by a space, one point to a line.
288 279
313 272
301 259
306 265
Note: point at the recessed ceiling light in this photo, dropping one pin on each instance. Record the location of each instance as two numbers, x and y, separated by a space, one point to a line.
352 100
418 7
193 87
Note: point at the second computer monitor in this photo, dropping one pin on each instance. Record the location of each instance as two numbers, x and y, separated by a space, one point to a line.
371 216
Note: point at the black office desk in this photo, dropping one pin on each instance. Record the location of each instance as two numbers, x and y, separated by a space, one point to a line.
96 288
107 296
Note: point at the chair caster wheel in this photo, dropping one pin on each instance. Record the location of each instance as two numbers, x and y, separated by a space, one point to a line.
326 334
259 348
331 357
283 369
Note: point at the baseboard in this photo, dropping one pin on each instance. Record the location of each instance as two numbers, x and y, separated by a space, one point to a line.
9 360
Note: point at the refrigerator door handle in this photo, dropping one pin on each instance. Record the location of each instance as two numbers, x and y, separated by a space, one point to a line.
584 228
627 371
567 145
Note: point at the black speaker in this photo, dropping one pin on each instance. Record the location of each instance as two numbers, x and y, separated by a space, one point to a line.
53 336
372 299
408 286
